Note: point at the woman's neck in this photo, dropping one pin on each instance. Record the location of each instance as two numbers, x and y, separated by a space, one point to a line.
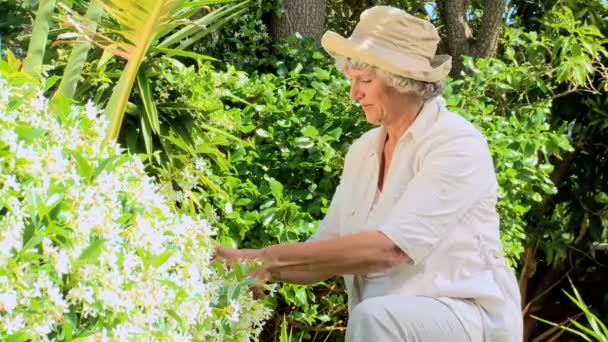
403 120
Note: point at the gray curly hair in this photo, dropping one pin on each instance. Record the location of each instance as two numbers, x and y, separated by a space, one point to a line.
426 90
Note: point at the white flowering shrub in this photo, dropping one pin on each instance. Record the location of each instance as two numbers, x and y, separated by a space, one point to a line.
89 251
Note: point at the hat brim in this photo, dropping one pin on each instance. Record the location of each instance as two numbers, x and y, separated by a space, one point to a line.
388 60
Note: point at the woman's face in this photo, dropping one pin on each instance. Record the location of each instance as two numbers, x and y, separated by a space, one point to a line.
380 102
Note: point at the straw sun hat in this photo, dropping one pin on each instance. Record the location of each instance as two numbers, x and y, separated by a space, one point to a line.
395 41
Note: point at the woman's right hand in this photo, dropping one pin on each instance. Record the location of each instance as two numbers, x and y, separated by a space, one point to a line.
232 255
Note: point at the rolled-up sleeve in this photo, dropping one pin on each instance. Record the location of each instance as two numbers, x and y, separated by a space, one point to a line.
451 178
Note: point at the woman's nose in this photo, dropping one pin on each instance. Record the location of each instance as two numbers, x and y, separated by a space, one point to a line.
355 92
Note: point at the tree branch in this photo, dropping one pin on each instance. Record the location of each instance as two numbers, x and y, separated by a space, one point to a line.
459 33
491 22
528 270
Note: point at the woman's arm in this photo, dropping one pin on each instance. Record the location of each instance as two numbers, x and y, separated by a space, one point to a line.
309 262
300 277
358 253
231 255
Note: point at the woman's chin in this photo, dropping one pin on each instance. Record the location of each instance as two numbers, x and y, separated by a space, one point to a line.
372 119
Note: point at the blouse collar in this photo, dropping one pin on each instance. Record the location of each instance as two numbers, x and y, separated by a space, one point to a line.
423 122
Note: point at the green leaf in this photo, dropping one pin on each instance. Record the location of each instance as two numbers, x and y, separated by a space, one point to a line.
300 296
50 82
27 133
335 133
583 329
262 133
150 111
182 53
306 95
93 251
296 71
17 337
304 142
310 131
576 332
221 132
73 70
110 164
83 166
33 241
269 217
284 336
591 318
194 31
39 37
14 64
179 320
159 260
67 330
321 74
146 132
49 204
180 293
179 142
228 242
276 188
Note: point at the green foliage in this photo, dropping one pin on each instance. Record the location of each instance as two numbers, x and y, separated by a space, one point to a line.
39 37
594 330
89 247
259 154
296 128
13 18
293 128
285 336
566 60
343 15
245 42
78 57
520 138
143 24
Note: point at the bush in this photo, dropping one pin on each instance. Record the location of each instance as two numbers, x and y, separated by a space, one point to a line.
89 248
262 155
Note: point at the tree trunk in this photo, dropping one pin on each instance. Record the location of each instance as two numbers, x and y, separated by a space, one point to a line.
461 39
304 16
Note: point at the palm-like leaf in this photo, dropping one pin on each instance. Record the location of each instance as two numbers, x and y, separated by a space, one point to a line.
142 20
40 32
597 330
78 57
142 23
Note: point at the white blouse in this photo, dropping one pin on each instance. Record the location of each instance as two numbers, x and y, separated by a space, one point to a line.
439 206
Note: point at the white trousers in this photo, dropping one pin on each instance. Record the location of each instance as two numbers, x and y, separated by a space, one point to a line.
413 319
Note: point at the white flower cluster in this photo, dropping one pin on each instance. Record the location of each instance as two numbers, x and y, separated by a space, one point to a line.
88 247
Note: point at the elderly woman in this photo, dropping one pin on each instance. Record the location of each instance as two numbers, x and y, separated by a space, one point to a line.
412 226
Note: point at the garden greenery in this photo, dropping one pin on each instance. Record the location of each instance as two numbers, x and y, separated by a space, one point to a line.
255 147
290 132
89 249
